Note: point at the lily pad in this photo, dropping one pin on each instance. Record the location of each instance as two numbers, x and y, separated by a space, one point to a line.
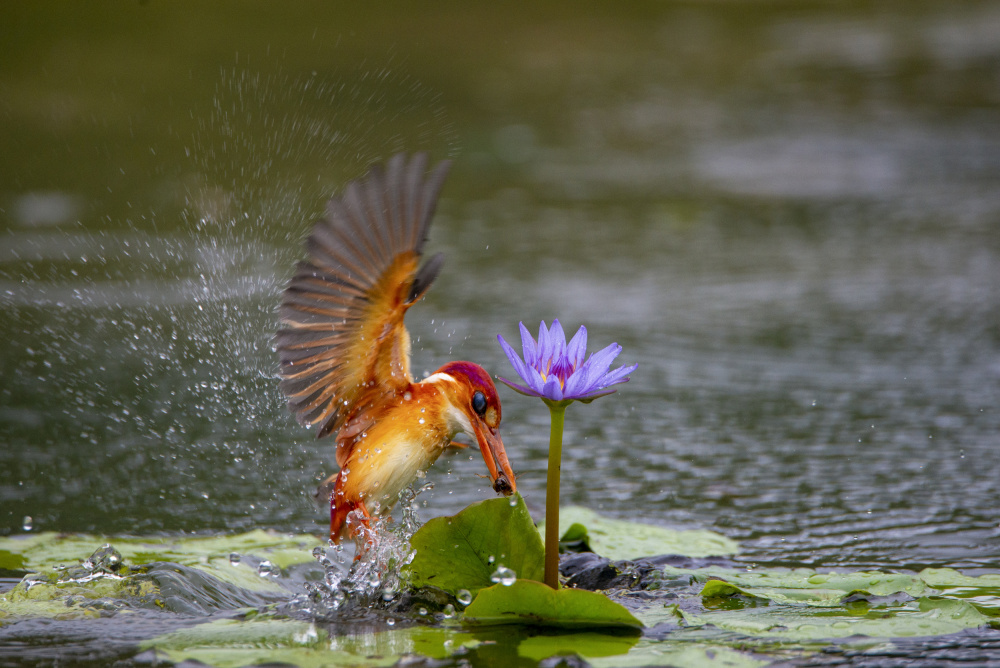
230 643
588 644
806 587
684 654
464 551
192 575
923 617
619 539
33 552
530 602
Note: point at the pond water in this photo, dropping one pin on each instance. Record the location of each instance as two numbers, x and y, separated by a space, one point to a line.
788 214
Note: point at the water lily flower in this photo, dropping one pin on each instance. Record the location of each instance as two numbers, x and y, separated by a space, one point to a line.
557 373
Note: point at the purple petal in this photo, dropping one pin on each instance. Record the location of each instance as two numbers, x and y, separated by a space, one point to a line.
544 359
586 399
535 379
577 348
519 388
558 338
619 375
587 378
515 361
552 389
602 359
529 346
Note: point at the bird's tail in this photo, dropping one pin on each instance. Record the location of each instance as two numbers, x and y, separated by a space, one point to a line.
341 507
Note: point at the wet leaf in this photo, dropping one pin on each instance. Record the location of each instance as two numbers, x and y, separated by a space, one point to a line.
190 575
463 551
227 643
806 587
923 617
37 551
618 539
589 644
684 654
530 602
983 592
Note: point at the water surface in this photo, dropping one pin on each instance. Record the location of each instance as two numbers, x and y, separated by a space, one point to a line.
786 213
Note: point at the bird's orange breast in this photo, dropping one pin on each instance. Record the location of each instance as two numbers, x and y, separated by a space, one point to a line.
408 435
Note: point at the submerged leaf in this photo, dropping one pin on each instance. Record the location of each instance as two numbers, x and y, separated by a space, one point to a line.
618 539
588 644
684 654
192 575
40 550
534 603
799 587
465 550
923 617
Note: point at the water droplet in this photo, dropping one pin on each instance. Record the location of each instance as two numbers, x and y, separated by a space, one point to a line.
449 611
27 523
421 421
234 557
512 501
464 596
504 576
105 559
422 611
266 569
491 559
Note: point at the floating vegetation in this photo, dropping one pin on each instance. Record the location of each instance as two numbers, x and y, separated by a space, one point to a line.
261 597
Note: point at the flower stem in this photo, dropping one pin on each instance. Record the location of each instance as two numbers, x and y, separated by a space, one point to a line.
558 414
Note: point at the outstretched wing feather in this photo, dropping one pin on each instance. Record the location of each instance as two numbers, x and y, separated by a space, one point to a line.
343 343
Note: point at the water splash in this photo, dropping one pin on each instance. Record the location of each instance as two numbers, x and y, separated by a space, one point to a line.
375 580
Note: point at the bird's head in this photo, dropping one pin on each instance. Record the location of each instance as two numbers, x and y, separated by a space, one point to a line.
473 407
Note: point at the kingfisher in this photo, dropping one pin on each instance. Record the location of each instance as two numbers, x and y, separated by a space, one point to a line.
345 353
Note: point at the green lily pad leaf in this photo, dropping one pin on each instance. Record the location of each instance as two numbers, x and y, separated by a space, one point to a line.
588 644
716 589
618 539
231 643
182 574
40 550
795 591
463 551
803 586
982 591
534 603
922 617
685 654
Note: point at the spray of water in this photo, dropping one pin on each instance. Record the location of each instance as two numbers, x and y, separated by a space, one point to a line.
373 580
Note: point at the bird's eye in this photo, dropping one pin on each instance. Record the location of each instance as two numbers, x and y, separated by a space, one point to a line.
479 403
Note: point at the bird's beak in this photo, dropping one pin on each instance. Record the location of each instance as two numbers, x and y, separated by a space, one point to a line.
491 446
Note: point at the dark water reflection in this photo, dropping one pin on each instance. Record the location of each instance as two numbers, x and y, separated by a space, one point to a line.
787 215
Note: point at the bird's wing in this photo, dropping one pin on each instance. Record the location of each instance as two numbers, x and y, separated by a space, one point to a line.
343 343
